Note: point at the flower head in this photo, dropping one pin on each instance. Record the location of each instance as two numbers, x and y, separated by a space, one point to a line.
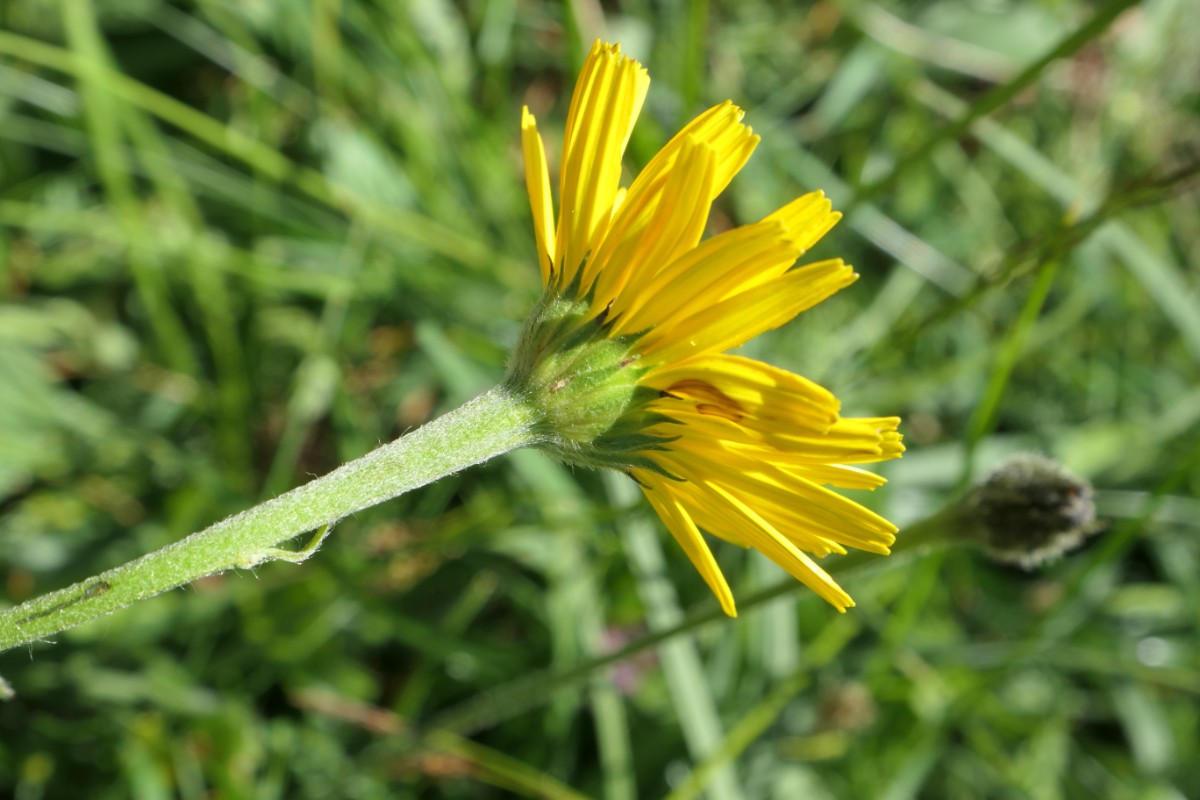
626 351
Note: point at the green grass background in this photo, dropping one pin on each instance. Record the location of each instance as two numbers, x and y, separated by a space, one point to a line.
242 242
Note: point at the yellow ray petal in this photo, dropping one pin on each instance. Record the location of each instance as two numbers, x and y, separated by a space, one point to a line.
681 526
728 263
608 97
807 218
537 181
653 228
740 318
760 396
848 441
776 547
839 475
719 127
712 515
703 276
811 515
794 445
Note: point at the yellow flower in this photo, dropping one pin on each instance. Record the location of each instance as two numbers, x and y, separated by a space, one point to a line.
627 350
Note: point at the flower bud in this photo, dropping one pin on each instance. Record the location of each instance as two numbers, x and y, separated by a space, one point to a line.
1030 510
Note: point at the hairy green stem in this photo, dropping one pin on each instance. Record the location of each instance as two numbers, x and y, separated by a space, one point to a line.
494 423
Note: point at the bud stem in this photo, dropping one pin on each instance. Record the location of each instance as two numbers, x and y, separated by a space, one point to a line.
489 425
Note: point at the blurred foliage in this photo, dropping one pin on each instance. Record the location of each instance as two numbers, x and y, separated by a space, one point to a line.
243 242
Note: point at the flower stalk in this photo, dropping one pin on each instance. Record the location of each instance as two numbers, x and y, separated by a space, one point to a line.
622 365
493 423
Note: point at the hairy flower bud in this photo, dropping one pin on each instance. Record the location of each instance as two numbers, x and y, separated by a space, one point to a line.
1030 510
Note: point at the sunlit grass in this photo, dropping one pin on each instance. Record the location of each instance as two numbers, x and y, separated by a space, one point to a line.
242 243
